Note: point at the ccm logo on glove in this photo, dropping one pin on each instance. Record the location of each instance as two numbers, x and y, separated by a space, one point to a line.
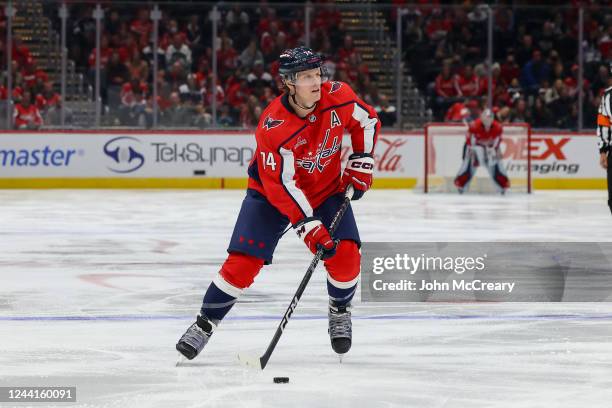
358 173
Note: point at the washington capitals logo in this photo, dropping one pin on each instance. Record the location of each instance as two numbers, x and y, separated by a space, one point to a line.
318 162
270 123
335 86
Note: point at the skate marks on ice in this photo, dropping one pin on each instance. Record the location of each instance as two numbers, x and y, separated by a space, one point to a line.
116 344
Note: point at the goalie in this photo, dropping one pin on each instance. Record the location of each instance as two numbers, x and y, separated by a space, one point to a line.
482 149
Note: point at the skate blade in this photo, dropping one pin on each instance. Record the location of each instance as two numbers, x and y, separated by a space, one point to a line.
340 357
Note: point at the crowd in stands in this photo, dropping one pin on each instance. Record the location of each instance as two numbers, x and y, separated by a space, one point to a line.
248 44
35 100
534 70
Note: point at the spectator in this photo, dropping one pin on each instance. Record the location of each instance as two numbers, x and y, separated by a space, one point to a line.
347 49
547 38
249 115
178 51
47 98
235 16
542 117
268 16
148 55
510 69
445 83
558 72
142 26
175 115
237 95
250 55
601 81
525 50
128 48
258 78
554 93
605 44
105 54
132 111
386 112
194 31
534 72
209 92
469 46
138 68
117 72
519 113
112 23
571 82
438 25
227 57
268 96
458 112
467 84
563 109
26 115
49 104
269 39
21 53
34 78
225 119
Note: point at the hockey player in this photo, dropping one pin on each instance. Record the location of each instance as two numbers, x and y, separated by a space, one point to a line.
604 131
482 148
295 178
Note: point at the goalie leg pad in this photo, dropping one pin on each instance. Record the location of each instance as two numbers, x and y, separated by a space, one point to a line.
501 179
343 272
466 172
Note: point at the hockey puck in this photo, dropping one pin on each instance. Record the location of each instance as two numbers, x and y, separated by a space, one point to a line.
281 380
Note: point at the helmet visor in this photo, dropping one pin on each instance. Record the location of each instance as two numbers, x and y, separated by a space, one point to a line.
310 77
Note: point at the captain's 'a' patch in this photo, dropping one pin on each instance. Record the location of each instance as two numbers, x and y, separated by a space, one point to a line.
335 120
335 86
270 123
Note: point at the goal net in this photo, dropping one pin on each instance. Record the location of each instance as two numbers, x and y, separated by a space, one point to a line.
444 146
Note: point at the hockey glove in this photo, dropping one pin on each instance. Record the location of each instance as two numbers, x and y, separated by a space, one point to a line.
358 173
314 234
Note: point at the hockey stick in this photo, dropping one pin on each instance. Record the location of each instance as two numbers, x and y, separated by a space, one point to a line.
261 362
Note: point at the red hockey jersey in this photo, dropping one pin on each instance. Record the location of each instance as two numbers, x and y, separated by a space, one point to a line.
477 134
24 117
297 162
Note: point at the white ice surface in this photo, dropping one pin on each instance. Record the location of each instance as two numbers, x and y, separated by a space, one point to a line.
97 286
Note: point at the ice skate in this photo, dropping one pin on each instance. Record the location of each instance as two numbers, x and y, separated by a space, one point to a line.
340 327
195 338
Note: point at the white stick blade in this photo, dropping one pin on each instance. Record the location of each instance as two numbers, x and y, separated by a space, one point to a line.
249 360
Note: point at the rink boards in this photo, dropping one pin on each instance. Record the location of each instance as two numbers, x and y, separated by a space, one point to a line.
219 159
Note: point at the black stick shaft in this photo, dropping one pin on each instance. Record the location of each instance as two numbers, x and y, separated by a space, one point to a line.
298 294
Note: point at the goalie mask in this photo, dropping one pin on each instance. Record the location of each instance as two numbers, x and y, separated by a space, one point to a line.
486 117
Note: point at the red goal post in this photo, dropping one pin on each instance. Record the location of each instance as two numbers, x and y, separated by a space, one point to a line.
443 149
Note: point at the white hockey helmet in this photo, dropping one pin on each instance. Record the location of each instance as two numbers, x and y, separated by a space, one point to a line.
487 117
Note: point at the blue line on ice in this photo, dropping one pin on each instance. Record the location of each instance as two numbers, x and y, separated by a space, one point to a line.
317 317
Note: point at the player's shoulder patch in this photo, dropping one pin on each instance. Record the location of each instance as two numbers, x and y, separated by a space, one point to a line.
270 123
335 86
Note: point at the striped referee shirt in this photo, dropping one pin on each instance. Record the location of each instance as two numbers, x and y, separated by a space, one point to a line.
604 125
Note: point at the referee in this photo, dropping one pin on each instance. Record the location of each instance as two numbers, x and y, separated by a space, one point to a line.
604 132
